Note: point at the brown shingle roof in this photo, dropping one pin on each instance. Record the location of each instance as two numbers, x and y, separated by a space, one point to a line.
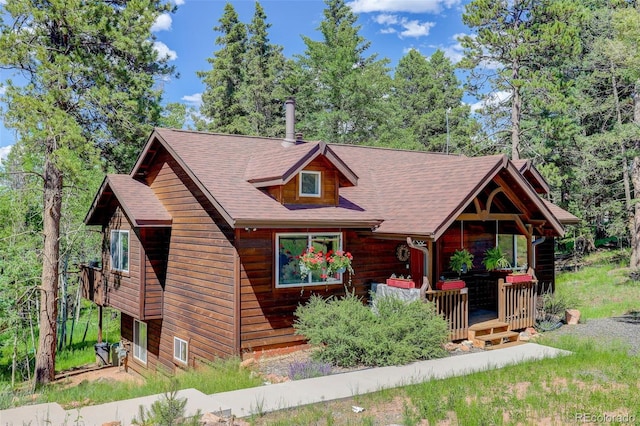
397 192
563 216
136 199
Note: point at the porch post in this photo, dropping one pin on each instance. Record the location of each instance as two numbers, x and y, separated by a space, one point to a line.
529 236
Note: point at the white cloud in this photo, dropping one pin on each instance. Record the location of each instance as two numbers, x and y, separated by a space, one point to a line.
4 151
178 2
415 28
492 99
406 27
410 6
2 88
386 19
164 52
453 51
193 100
163 23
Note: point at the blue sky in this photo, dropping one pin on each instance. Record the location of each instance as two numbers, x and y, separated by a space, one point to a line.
392 26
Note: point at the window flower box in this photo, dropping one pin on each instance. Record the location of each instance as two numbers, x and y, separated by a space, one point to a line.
450 285
400 283
518 278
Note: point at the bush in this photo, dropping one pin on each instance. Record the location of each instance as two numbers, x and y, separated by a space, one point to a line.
348 333
308 369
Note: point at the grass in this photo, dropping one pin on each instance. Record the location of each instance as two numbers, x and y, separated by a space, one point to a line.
594 380
602 289
79 353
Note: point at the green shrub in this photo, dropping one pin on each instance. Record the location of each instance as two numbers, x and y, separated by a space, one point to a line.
349 333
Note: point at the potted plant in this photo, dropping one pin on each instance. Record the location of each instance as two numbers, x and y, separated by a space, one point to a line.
461 261
339 262
328 265
495 259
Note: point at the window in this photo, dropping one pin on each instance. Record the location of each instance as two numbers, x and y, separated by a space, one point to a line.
310 184
120 250
514 248
140 341
291 246
180 350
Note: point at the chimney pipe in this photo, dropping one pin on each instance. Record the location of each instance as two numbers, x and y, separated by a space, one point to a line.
290 118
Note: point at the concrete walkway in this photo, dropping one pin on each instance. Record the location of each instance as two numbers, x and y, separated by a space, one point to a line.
274 397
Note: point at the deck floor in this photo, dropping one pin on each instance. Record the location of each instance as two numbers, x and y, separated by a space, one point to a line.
481 315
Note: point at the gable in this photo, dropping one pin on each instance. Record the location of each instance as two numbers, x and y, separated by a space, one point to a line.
137 200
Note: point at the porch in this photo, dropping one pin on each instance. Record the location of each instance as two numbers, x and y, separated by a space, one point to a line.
515 305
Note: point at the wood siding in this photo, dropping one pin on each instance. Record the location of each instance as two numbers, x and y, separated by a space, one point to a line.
329 182
199 284
155 244
267 312
122 288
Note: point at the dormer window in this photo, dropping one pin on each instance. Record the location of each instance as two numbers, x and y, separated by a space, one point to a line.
309 184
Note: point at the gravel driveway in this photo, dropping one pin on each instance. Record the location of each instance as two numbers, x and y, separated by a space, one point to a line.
625 329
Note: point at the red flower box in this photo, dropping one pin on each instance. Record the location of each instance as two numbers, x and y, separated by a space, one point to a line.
450 285
400 283
520 278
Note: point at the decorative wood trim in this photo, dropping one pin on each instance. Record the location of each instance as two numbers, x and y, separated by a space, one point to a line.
143 273
491 197
237 308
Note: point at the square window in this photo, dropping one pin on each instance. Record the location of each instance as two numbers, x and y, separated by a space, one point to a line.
140 341
119 250
291 246
180 348
310 184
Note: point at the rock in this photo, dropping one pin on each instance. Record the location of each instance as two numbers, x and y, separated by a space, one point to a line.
210 419
248 363
524 336
450 346
465 348
572 316
532 331
467 343
114 423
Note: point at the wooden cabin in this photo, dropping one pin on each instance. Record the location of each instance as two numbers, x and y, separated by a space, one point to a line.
201 238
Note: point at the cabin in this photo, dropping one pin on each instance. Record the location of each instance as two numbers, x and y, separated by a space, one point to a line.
202 238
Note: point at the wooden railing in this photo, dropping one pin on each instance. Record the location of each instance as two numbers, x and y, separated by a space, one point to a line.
517 303
454 306
92 284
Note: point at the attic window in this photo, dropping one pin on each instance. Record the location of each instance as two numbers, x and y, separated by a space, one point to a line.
309 184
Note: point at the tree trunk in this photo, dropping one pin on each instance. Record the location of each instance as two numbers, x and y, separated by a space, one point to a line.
52 204
626 180
516 109
635 179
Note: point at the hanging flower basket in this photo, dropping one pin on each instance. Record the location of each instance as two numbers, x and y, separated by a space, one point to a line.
328 265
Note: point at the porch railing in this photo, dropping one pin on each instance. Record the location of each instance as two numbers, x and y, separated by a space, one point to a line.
92 284
454 306
517 303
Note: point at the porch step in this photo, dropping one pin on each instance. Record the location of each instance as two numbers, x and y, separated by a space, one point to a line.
495 339
486 328
506 345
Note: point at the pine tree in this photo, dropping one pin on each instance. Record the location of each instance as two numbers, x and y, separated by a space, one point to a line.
429 99
345 95
515 43
264 67
90 69
221 100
